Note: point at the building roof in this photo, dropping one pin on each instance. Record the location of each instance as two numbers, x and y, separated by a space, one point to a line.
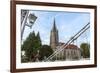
71 46
60 43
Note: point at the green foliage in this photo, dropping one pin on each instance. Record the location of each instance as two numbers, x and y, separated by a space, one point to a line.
45 51
31 45
85 50
37 40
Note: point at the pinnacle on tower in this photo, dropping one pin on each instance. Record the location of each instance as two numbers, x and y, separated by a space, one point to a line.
54 26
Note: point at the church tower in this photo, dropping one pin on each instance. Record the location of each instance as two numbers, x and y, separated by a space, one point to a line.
54 37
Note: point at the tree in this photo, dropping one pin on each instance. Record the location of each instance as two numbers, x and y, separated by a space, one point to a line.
45 51
31 45
37 43
85 50
29 41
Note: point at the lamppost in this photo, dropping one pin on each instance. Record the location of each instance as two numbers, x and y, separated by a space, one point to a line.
27 19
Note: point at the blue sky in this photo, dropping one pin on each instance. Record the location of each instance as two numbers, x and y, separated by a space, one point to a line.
67 23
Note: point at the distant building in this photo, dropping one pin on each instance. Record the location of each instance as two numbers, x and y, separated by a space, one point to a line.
70 52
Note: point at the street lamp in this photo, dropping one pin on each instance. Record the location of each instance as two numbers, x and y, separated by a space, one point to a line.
31 19
28 20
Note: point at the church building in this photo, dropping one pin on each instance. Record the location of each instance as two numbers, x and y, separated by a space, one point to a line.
70 52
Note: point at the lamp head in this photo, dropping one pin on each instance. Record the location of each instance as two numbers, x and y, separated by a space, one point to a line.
31 19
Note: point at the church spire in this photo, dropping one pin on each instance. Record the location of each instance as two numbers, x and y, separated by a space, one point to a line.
54 38
54 26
